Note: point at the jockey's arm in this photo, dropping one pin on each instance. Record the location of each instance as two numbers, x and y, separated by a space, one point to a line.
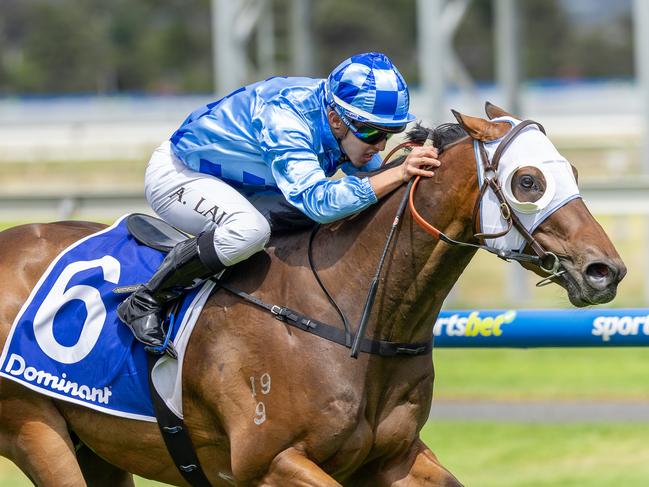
304 184
287 148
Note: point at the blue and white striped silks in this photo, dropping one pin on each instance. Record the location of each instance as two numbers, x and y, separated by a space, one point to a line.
274 136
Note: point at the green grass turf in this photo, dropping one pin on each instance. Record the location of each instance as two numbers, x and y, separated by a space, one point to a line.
562 373
538 455
11 476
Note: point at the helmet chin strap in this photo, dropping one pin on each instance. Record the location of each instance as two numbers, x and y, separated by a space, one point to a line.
344 157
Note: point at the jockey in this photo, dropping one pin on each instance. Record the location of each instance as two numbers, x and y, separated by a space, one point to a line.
284 137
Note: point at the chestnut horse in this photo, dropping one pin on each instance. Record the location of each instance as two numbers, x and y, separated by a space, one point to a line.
270 405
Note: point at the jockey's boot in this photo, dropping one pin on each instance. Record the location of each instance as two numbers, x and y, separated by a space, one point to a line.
187 265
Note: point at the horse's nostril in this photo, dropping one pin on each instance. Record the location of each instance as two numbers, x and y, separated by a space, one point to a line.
600 275
598 270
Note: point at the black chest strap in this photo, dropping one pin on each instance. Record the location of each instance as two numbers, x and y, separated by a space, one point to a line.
293 318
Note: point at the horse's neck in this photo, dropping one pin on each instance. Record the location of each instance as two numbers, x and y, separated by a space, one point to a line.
418 274
413 300
419 271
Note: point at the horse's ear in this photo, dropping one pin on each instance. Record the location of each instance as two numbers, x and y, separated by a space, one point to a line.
494 111
481 129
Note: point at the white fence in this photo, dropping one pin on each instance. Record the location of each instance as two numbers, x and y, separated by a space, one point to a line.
621 197
598 116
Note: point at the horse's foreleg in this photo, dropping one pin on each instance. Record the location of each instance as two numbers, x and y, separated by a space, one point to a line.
418 467
425 471
34 435
292 469
99 473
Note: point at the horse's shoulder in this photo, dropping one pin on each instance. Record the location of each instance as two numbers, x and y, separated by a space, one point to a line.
63 224
60 229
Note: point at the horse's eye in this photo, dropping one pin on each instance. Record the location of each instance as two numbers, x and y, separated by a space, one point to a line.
527 182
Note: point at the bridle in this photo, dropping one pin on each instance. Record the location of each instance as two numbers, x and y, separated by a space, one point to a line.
548 262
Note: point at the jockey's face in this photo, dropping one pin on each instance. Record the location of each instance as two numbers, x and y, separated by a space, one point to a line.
359 152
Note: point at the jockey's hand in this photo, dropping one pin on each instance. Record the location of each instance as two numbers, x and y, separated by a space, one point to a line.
420 162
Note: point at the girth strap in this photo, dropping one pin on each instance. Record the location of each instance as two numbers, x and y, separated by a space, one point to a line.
293 318
176 436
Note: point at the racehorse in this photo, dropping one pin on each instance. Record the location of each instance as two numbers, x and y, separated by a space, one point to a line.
272 405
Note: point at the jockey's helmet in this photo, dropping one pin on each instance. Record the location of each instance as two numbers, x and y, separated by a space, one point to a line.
368 88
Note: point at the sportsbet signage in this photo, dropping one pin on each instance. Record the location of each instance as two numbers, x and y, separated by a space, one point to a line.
458 325
542 328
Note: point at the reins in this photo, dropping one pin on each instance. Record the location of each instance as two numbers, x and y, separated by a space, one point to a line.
547 261
371 293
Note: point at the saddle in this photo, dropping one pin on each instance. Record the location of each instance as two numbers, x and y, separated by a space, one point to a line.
154 232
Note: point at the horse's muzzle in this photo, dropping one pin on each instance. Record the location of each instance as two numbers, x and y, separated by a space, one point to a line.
596 282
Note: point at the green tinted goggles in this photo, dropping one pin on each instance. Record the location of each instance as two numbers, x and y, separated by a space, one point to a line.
369 133
373 135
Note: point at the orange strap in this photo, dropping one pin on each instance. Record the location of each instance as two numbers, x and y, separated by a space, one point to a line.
415 214
411 203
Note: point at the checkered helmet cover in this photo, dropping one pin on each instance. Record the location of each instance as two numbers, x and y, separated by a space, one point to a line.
369 88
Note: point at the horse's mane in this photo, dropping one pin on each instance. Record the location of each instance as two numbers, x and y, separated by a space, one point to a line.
443 135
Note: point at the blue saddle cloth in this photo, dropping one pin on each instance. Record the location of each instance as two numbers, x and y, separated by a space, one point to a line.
67 341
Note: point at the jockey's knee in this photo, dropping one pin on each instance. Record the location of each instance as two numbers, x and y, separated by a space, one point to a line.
257 230
241 237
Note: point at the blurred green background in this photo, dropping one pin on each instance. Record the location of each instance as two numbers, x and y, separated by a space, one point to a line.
93 46
88 88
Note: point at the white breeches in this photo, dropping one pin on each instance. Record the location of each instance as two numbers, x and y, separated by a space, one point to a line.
196 202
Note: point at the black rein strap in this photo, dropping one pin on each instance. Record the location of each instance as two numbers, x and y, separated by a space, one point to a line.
348 334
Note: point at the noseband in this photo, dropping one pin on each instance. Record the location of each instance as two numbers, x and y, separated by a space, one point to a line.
548 262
